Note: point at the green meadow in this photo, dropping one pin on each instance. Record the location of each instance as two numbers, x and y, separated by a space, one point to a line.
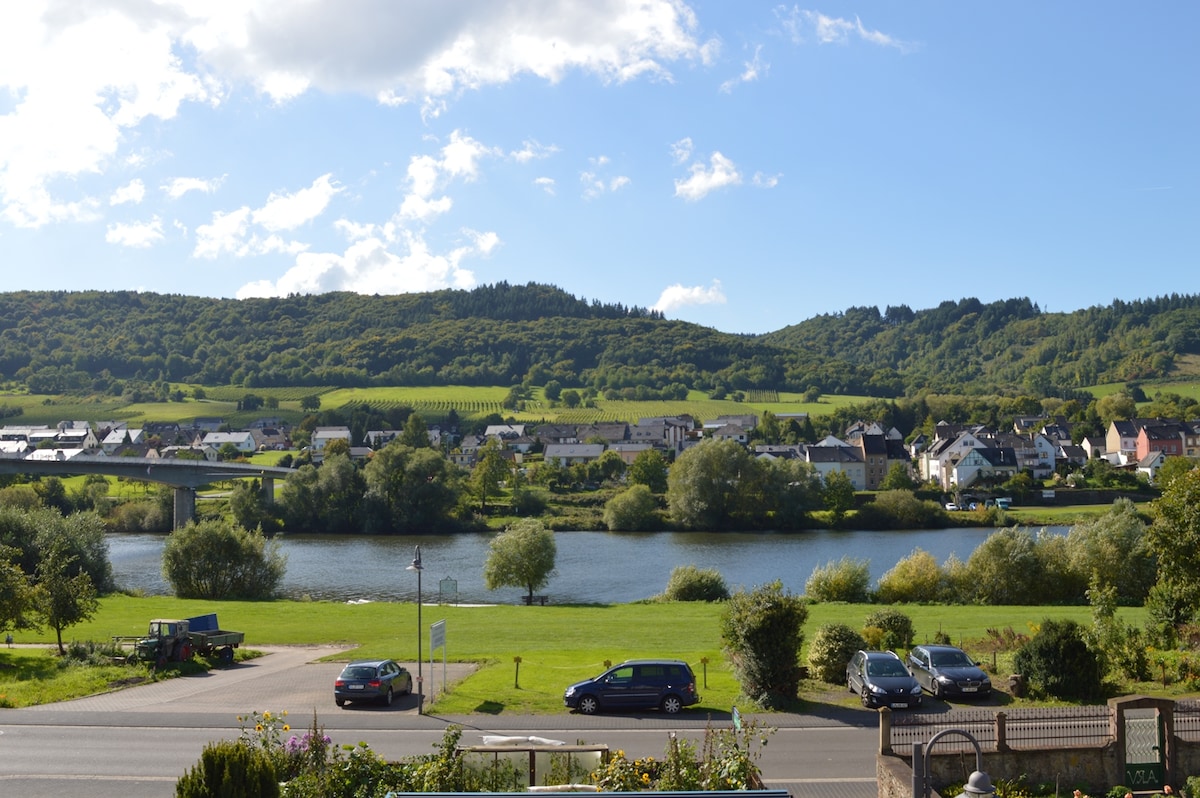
556 644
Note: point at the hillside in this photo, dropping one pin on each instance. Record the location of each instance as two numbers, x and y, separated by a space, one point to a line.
133 344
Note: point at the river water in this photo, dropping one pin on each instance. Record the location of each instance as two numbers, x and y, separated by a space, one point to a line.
591 567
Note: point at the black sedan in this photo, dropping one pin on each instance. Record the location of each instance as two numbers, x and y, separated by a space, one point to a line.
948 671
880 679
371 680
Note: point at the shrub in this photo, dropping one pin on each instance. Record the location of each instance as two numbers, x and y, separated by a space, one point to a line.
632 510
689 583
221 560
1058 663
762 631
832 647
232 769
896 628
845 580
917 577
900 509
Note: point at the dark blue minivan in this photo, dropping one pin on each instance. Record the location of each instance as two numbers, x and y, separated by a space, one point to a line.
666 684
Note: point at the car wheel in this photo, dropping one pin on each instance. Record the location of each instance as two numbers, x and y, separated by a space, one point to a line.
935 687
588 705
407 687
671 704
387 697
850 685
341 702
866 697
225 656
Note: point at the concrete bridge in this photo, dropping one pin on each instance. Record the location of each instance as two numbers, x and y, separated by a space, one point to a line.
184 476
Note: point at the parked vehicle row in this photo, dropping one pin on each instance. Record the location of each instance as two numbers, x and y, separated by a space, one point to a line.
882 679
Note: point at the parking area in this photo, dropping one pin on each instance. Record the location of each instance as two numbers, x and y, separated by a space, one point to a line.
285 678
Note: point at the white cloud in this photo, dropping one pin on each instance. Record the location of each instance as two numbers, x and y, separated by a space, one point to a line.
803 25
139 235
226 235
427 174
766 181
595 185
546 184
134 191
86 78
681 150
677 296
370 267
754 69
532 150
721 172
179 186
289 211
82 78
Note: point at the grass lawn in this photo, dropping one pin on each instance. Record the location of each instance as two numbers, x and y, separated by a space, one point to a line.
557 644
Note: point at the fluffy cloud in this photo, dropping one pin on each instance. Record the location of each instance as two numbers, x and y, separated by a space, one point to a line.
594 185
370 266
289 211
719 173
139 235
87 78
677 296
427 174
134 191
179 186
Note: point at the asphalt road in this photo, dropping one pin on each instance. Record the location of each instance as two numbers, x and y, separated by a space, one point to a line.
135 743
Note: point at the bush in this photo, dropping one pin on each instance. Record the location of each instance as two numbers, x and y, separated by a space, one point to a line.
689 583
762 631
1058 663
220 560
231 769
632 510
845 580
894 627
832 647
900 509
917 577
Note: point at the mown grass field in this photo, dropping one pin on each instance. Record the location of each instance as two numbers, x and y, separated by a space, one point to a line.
557 644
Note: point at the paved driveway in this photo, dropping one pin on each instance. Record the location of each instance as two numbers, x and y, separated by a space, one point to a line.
286 677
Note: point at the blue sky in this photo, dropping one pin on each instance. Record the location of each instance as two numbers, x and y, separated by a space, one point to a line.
742 165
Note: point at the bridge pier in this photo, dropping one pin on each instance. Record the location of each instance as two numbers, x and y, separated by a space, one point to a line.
268 490
185 506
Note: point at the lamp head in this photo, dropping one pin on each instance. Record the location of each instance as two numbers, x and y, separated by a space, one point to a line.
978 784
416 563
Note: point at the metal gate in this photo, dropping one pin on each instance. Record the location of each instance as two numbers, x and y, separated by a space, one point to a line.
1144 771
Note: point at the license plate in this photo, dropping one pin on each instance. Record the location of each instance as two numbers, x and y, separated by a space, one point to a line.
970 689
900 706
356 687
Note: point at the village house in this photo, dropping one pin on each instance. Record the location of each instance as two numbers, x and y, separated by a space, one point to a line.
568 454
242 441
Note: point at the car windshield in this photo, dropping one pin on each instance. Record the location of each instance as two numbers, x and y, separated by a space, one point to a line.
886 667
950 659
358 673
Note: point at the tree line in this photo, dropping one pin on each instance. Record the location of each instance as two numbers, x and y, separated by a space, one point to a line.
509 335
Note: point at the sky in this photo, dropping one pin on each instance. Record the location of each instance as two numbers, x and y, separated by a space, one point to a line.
742 165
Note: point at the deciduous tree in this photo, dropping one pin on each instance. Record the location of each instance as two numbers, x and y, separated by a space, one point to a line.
521 556
219 560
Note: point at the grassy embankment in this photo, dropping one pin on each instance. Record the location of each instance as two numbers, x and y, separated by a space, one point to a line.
556 644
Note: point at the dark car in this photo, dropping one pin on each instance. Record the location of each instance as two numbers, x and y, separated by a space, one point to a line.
371 680
666 684
948 671
881 680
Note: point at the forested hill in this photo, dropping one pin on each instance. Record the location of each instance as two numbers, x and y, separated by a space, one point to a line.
1009 345
105 342
59 342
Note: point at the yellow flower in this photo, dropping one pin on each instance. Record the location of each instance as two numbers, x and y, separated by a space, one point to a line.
267 715
285 713
287 727
258 727
645 778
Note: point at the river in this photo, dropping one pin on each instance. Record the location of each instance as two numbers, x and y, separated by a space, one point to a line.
591 567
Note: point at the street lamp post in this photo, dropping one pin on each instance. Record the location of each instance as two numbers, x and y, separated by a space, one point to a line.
979 784
416 566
